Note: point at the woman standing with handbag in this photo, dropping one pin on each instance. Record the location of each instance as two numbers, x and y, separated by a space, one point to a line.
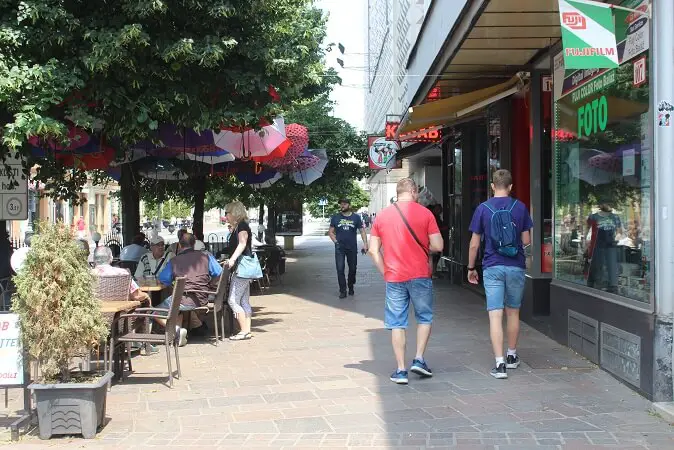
239 247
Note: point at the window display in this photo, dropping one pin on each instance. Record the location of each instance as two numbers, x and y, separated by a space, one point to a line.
602 157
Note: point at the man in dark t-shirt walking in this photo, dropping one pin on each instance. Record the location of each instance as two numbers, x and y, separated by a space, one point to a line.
343 232
503 268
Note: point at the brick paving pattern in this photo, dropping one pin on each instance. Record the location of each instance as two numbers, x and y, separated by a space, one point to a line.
316 376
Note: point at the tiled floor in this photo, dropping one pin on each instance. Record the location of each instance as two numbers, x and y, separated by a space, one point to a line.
316 376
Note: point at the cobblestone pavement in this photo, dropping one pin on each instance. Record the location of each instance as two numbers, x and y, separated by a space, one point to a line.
316 376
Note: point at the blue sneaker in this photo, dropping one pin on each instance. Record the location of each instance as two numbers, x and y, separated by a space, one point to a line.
399 377
421 369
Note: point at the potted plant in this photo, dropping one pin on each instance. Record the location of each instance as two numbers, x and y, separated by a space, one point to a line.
59 320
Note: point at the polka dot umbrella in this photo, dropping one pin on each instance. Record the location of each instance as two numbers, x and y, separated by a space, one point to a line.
607 162
298 135
305 161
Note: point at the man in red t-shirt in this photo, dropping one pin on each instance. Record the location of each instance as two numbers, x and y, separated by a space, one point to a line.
406 232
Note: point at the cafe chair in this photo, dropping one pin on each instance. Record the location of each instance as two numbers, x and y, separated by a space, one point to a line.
218 306
169 337
112 287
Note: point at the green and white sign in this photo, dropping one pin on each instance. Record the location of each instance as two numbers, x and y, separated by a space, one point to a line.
588 35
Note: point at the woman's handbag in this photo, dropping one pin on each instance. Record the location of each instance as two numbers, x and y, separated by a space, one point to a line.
248 267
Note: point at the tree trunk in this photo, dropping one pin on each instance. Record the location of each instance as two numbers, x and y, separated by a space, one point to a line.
5 251
271 223
260 213
130 204
199 200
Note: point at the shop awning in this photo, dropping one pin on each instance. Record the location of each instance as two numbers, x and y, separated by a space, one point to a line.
441 113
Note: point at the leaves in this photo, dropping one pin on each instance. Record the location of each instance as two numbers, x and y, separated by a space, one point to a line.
123 68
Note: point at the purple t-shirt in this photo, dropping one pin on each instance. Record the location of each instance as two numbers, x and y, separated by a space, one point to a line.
481 224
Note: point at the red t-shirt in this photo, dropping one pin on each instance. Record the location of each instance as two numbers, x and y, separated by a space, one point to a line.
404 259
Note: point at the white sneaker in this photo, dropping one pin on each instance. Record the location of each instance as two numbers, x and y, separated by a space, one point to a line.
182 339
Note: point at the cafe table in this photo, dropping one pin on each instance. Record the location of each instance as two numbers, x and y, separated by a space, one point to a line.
153 288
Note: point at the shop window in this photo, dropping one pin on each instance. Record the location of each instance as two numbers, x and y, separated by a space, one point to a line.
602 158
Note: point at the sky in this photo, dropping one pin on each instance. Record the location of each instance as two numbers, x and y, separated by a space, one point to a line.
347 24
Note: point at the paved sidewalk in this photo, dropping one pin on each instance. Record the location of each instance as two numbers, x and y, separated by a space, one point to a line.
316 376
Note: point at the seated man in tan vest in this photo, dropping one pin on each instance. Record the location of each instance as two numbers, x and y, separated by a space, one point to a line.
201 272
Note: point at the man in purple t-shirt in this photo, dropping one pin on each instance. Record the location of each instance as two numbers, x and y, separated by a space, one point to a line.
502 268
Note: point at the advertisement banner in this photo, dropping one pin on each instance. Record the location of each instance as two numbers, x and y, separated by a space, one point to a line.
382 153
11 354
289 218
588 35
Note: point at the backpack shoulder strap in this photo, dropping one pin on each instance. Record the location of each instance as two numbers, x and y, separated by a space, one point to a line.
513 205
409 228
486 205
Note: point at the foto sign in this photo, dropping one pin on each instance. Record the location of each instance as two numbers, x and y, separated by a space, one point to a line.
11 354
13 190
588 35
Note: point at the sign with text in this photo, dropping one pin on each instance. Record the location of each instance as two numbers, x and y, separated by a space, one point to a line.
13 190
588 35
11 354
429 136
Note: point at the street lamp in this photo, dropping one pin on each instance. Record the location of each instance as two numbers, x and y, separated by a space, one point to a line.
96 237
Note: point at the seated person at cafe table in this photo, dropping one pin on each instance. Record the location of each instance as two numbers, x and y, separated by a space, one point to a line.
134 251
201 272
154 261
103 261
102 266
175 247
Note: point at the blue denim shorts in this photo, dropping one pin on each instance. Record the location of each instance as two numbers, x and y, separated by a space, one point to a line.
166 304
398 296
504 286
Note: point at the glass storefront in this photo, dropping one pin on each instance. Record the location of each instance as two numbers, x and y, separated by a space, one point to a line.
602 157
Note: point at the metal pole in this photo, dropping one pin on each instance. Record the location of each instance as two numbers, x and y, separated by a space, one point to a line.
662 92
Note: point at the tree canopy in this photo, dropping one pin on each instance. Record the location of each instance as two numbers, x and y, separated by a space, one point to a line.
358 197
121 69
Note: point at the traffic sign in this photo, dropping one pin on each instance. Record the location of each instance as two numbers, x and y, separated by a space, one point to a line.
323 202
13 190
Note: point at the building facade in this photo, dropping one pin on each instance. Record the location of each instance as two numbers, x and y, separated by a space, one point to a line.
98 204
588 152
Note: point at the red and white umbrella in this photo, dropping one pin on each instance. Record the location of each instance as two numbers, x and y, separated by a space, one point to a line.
250 143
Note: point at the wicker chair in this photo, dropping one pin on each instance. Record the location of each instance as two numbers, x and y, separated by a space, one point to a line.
112 287
169 336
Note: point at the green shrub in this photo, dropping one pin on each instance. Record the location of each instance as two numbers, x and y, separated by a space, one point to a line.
59 316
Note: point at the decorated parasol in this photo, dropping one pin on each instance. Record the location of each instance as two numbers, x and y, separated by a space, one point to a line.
311 174
248 143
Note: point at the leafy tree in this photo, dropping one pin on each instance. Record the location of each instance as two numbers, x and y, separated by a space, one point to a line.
167 210
120 69
359 199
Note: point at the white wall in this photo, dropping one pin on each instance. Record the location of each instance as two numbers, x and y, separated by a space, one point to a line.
393 29
439 23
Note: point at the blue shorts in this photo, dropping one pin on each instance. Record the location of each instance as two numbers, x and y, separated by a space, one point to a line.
398 296
504 286
166 304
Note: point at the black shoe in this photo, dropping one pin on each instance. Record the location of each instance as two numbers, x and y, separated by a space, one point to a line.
499 372
342 295
351 292
512 362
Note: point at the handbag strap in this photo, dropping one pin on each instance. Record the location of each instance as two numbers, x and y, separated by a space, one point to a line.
409 228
